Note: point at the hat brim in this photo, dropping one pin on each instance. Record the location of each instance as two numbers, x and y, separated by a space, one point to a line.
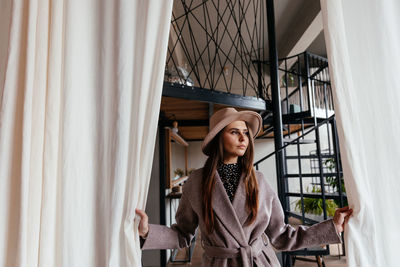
253 119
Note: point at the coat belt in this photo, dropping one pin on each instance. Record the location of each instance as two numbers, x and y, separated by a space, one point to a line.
246 253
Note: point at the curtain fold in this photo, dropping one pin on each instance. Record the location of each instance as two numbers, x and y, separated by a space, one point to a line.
362 40
80 91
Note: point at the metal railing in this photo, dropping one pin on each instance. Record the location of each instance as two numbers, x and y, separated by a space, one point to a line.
305 85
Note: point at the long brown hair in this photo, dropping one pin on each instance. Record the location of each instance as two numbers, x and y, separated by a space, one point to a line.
210 167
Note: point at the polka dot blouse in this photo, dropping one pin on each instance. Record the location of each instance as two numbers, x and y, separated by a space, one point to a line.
230 176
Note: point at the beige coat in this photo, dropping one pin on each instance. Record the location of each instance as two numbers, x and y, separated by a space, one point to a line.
232 243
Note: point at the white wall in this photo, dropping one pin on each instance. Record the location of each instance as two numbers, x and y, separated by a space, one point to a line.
196 156
263 147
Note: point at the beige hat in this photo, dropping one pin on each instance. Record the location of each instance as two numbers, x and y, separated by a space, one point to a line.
225 116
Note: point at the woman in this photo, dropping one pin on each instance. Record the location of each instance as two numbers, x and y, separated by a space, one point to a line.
239 214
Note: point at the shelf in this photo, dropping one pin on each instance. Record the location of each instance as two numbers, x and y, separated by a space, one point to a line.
179 139
171 136
174 195
179 180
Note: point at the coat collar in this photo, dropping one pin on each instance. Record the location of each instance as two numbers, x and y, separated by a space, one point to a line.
232 215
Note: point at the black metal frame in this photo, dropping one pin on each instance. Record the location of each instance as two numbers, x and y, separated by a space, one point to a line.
276 104
312 75
163 175
313 91
312 94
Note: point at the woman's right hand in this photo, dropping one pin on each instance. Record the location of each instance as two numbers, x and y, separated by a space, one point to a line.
341 217
143 224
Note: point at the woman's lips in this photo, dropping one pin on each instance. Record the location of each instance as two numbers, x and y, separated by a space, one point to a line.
242 147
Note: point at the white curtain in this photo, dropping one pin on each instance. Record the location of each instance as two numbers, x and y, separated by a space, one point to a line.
80 90
362 38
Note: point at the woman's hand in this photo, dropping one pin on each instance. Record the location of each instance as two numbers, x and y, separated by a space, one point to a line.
341 217
143 224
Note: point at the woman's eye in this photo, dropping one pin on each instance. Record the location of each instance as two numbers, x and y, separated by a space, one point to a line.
246 133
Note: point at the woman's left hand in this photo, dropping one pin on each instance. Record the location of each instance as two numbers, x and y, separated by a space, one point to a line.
341 217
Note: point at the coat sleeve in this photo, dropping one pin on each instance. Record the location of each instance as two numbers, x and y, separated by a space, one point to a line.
180 234
285 237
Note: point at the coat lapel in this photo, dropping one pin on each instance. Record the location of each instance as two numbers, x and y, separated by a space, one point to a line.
226 212
239 202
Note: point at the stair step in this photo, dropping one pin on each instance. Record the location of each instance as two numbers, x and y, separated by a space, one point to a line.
320 184
316 195
301 141
309 157
296 175
313 251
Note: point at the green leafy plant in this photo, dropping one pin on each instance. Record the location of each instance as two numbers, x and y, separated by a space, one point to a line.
290 80
179 172
315 205
333 180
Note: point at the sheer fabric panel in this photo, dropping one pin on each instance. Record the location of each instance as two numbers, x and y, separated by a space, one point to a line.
80 91
362 38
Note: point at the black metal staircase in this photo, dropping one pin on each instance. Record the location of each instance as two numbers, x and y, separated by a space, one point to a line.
312 169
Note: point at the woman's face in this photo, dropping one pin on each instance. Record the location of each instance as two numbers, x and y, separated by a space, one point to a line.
235 138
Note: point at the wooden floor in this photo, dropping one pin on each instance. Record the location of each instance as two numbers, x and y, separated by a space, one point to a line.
330 261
